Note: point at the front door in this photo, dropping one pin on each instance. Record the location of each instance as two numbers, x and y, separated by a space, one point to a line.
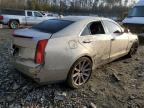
38 17
119 40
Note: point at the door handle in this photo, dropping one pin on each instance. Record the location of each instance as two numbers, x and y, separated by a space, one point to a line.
112 39
87 41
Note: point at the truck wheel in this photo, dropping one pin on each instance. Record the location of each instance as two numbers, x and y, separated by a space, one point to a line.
14 24
79 73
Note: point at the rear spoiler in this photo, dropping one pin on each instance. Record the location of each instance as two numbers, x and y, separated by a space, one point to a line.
20 36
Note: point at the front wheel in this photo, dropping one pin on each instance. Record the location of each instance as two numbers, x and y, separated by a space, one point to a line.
133 49
80 72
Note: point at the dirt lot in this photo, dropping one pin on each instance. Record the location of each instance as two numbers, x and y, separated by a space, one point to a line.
119 84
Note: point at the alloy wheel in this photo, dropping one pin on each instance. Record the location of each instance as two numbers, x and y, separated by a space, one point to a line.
14 24
81 72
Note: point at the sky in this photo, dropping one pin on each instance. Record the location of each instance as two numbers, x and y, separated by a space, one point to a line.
136 0
131 1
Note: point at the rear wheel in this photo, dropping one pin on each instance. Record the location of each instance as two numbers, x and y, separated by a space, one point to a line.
80 72
14 24
133 49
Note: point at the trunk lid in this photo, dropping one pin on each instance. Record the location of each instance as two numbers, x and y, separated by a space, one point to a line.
25 42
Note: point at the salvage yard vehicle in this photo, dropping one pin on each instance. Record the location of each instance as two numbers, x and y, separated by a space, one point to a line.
135 19
70 48
15 18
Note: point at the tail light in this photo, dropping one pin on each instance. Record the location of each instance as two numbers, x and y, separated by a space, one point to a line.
39 58
1 17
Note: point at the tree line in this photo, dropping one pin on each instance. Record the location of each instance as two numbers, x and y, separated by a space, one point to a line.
99 7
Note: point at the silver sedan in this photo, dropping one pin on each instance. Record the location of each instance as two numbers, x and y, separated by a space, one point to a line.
68 49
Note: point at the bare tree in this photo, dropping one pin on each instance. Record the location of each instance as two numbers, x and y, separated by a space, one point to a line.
104 7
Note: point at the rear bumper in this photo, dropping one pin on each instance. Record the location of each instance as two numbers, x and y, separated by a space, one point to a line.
38 74
28 68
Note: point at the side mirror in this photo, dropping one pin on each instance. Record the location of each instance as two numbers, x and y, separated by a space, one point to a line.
126 30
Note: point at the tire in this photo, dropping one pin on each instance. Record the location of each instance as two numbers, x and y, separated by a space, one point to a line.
133 50
13 24
79 73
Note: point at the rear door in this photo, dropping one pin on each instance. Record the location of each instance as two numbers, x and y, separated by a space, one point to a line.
119 40
95 38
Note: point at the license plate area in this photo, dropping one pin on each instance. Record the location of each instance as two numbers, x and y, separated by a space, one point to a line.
23 52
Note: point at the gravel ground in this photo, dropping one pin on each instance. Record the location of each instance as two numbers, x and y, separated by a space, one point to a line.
119 84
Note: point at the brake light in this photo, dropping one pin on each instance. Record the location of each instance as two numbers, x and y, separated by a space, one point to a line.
1 17
39 58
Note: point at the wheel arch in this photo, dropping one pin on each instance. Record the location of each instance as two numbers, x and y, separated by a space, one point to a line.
14 20
136 41
84 55
78 57
135 44
70 70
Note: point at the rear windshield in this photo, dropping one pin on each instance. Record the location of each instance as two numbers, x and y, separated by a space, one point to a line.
52 25
137 11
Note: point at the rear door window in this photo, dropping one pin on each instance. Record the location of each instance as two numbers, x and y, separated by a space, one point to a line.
93 28
97 28
86 31
52 25
29 14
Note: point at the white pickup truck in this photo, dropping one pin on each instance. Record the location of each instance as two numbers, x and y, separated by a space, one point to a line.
15 18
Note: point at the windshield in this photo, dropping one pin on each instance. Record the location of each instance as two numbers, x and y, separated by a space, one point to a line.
137 11
52 25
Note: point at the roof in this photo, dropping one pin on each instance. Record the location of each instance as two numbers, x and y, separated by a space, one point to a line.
82 18
79 18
